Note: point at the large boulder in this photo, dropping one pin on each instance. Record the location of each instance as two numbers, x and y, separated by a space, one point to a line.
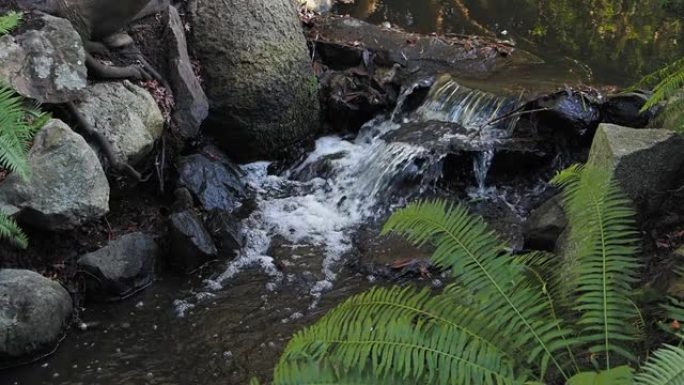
46 64
67 187
256 66
120 269
126 115
191 104
34 311
645 162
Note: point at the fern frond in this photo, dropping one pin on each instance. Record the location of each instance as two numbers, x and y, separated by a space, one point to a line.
315 373
603 230
478 261
408 333
667 88
10 231
9 21
16 129
657 76
621 375
665 367
672 116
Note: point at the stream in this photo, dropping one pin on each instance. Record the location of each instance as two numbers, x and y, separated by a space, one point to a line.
313 236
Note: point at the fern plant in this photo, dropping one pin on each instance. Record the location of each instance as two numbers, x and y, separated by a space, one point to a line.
500 322
18 124
668 86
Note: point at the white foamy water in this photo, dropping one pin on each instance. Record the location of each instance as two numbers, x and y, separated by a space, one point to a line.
344 183
320 211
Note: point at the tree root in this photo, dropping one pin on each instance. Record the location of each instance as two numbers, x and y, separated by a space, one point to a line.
104 145
102 71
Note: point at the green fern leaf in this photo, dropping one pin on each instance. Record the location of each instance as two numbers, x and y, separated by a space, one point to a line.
10 231
9 21
621 375
407 333
665 367
603 230
478 261
17 127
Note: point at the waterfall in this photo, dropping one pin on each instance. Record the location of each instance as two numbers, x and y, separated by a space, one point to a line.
344 183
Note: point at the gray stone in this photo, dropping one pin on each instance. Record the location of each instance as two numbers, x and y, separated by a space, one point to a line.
645 162
191 104
226 231
545 225
191 243
319 6
47 64
257 71
127 115
67 187
216 183
120 269
34 311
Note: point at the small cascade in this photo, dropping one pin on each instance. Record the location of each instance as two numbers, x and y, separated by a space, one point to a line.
478 111
343 184
475 110
408 91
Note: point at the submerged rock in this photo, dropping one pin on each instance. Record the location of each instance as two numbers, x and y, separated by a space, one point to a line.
126 115
67 186
34 311
645 162
121 268
46 64
191 243
545 225
191 105
256 65
216 183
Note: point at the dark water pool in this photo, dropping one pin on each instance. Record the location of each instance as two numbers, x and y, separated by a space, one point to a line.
618 40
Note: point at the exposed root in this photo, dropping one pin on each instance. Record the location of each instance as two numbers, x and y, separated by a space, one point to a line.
104 145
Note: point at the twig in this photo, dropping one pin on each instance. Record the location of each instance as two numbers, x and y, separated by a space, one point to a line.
513 114
104 145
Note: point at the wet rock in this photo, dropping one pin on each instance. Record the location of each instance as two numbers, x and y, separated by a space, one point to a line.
625 110
257 70
571 114
67 187
191 243
120 269
352 98
126 115
34 311
46 64
318 6
191 105
545 225
346 42
645 162
226 231
216 182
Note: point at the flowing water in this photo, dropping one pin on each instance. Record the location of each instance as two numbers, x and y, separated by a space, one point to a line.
231 322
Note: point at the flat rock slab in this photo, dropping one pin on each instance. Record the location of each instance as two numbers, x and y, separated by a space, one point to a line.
127 115
343 40
120 269
645 162
45 64
34 311
67 187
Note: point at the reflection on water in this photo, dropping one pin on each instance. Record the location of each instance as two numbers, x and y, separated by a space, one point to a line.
620 40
